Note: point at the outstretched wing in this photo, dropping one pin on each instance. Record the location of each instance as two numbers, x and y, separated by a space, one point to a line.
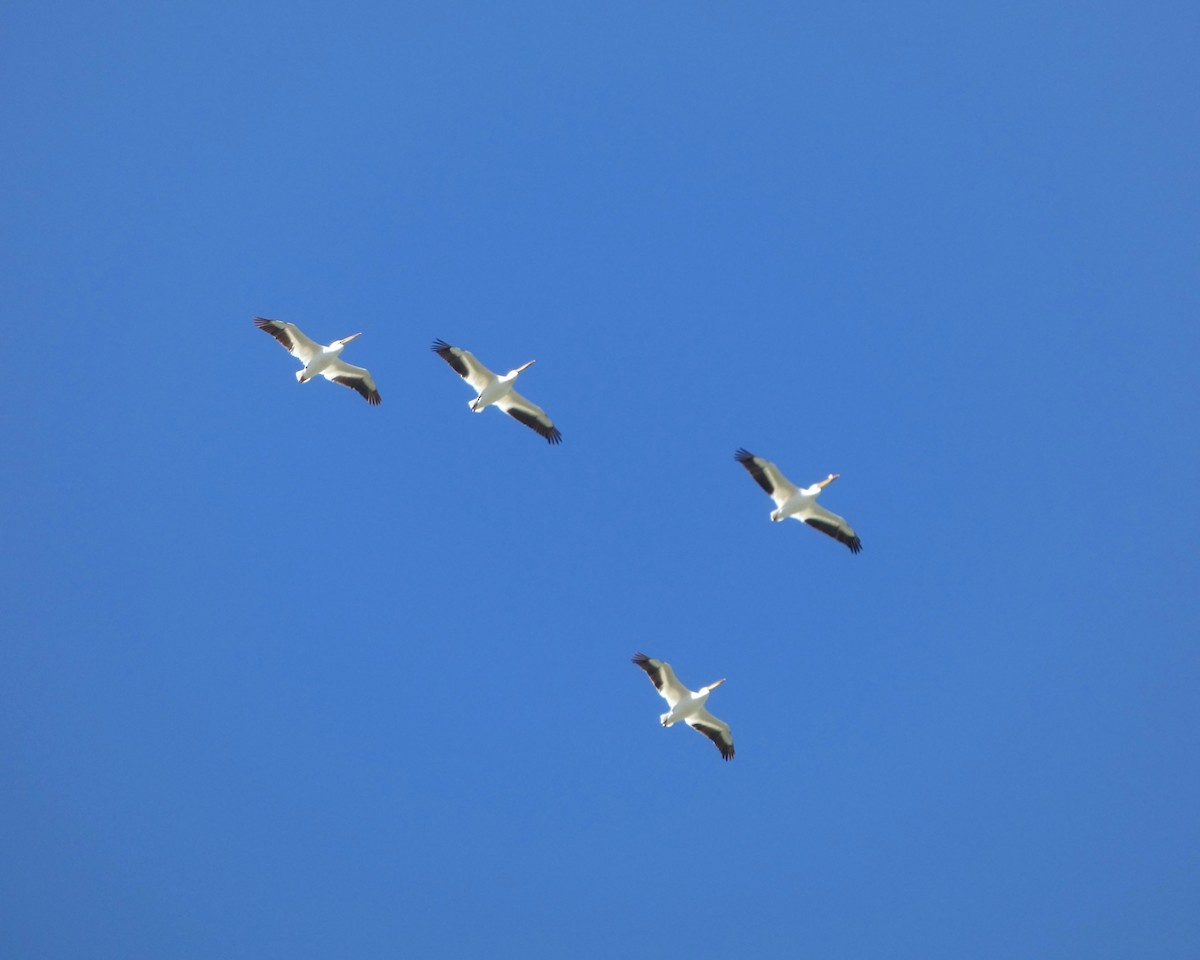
356 378
663 678
530 414
767 476
830 524
463 363
716 730
288 334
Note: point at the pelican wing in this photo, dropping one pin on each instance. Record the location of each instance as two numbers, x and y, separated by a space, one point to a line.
294 342
767 476
663 677
356 378
716 730
463 363
530 414
830 524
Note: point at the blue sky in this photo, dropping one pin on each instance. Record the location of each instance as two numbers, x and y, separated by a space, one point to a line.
287 675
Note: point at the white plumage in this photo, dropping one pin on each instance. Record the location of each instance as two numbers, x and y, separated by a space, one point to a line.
687 705
324 361
492 389
791 501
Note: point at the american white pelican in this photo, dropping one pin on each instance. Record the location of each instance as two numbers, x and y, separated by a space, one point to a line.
801 504
321 360
497 390
687 705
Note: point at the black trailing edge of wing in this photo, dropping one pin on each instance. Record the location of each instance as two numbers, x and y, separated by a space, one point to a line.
549 431
840 535
360 386
277 329
717 737
652 671
750 462
446 352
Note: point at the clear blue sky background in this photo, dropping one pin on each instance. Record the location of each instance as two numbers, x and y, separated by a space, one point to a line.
284 675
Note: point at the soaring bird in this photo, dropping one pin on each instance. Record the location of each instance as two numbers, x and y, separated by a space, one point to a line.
801 504
492 389
687 705
321 360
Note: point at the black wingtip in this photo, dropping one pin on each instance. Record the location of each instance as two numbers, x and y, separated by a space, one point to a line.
743 455
850 539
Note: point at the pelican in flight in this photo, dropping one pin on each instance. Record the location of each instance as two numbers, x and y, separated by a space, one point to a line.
498 390
321 360
687 705
791 501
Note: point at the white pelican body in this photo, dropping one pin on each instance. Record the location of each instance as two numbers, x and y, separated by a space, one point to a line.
792 501
687 705
319 360
499 391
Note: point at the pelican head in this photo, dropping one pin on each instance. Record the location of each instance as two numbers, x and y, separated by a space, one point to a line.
713 686
524 366
821 485
776 516
346 340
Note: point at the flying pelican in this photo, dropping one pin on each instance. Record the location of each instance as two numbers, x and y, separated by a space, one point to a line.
497 390
321 360
687 705
801 504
